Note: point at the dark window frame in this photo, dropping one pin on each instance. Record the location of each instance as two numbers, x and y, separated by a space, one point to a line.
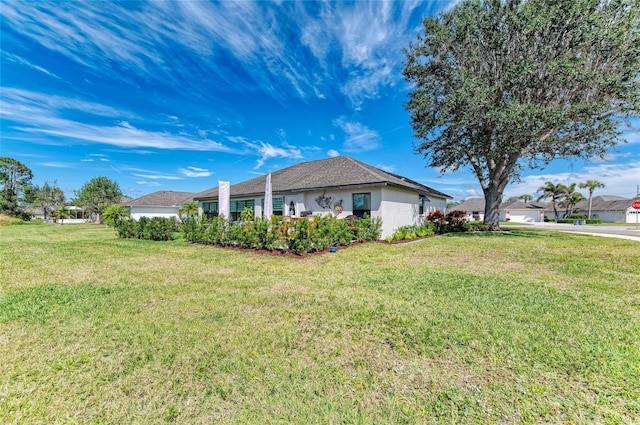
210 212
360 212
275 204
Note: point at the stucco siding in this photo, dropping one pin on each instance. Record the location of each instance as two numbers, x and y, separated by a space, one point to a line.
138 211
610 216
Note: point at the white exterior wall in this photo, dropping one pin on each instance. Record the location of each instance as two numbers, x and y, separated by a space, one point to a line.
150 212
612 216
633 215
401 207
519 216
306 201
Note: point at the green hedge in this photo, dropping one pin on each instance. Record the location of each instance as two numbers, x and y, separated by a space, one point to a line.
300 236
154 229
587 221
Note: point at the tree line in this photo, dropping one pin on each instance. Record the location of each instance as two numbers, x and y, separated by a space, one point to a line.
19 196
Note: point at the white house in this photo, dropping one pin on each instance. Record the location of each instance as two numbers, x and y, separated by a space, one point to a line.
164 203
341 186
609 209
517 212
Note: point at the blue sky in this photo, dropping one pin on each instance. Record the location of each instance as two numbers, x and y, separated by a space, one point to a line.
176 95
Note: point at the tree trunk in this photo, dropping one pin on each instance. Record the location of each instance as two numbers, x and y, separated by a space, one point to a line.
492 201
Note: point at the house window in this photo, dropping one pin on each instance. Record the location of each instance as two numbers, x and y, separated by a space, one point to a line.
236 208
361 204
278 204
210 209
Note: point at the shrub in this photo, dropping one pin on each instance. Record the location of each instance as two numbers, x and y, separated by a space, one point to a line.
455 221
155 229
413 231
300 236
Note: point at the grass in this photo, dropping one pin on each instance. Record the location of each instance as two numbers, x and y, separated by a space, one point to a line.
527 327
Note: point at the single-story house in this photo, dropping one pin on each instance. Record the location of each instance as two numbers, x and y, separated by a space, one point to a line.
164 203
473 207
609 209
517 212
341 186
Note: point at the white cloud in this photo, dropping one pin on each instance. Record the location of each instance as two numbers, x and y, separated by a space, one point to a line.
55 164
267 151
150 184
387 168
333 153
156 177
292 49
620 179
195 172
358 137
40 114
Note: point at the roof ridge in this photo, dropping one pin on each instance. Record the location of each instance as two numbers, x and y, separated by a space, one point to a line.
366 167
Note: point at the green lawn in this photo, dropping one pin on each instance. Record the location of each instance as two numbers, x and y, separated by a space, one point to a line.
528 327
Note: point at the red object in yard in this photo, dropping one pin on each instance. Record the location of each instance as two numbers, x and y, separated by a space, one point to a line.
636 205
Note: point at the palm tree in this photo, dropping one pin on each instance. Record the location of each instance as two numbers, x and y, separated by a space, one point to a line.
526 198
571 201
114 214
568 196
189 209
554 191
61 213
591 185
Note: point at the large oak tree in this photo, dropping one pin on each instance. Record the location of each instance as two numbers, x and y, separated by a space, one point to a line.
499 85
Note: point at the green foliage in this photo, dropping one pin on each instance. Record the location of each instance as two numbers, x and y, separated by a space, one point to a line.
49 197
476 103
586 220
189 209
15 178
455 221
154 229
61 213
246 214
98 194
299 236
114 214
6 220
413 231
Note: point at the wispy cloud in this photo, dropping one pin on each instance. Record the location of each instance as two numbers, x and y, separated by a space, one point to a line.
156 176
358 137
149 184
333 153
288 49
34 114
195 172
268 151
56 164
20 60
387 168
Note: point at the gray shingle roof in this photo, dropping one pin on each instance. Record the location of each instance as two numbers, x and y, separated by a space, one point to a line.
162 198
605 203
470 205
330 173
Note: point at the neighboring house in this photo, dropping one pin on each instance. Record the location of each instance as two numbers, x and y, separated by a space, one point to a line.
609 209
473 207
341 185
517 212
164 203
